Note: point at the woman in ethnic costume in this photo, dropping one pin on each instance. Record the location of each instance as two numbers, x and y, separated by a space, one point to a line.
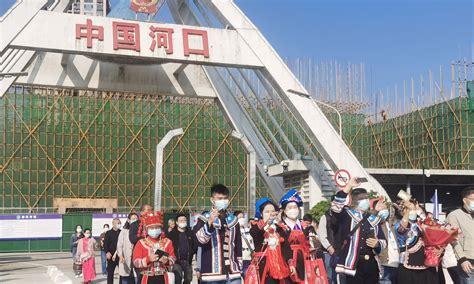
412 269
270 246
294 233
153 255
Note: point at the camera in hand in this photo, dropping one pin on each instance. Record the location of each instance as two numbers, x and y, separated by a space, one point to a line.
160 253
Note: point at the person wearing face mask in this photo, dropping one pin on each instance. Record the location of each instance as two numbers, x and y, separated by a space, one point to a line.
247 241
218 234
271 249
412 267
124 252
185 248
75 237
294 232
389 256
327 233
154 254
134 234
360 232
464 247
85 254
110 245
103 257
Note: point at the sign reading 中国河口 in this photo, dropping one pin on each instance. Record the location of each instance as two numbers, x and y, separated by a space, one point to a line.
111 37
126 35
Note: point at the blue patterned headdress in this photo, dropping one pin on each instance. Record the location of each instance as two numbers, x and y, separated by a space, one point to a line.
291 196
260 204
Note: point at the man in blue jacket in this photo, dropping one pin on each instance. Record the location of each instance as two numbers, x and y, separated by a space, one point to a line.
218 235
361 235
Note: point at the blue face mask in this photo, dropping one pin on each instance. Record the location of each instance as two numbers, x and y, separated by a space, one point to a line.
363 204
412 216
471 206
221 204
154 233
384 214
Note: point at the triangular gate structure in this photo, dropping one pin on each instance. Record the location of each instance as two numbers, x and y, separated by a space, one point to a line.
212 50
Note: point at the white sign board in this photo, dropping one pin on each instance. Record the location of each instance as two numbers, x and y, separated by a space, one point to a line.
31 227
153 42
99 220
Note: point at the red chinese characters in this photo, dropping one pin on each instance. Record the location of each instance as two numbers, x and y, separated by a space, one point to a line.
90 32
161 37
126 36
204 50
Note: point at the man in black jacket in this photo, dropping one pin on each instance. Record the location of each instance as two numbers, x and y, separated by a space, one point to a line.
110 247
133 231
184 248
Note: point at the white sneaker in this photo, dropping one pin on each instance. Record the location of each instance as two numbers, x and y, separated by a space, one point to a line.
77 276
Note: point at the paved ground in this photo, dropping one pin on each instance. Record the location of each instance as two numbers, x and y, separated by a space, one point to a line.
32 268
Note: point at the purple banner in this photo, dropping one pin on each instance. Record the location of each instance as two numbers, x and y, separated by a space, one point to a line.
30 216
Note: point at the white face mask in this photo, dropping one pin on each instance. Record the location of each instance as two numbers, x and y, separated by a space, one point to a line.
87 235
118 226
243 222
182 225
105 229
292 213
268 217
79 230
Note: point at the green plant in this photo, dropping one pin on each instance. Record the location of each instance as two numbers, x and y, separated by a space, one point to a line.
319 209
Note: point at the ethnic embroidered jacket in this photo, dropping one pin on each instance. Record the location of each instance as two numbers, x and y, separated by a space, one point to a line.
147 247
411 245
221 247
348 218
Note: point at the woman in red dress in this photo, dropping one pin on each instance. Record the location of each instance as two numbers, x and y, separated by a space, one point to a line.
85 254
270 246
153 255
294 232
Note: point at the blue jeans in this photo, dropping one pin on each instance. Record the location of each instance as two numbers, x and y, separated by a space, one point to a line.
466 278
127 280
73 252
389 275
103 262
331 271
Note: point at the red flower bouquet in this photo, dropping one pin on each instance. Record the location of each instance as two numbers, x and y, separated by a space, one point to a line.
436 236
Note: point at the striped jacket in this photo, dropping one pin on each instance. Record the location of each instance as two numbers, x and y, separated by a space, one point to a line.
348 218
221 247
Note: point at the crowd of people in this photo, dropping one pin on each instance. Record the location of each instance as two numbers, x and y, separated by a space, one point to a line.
357 240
